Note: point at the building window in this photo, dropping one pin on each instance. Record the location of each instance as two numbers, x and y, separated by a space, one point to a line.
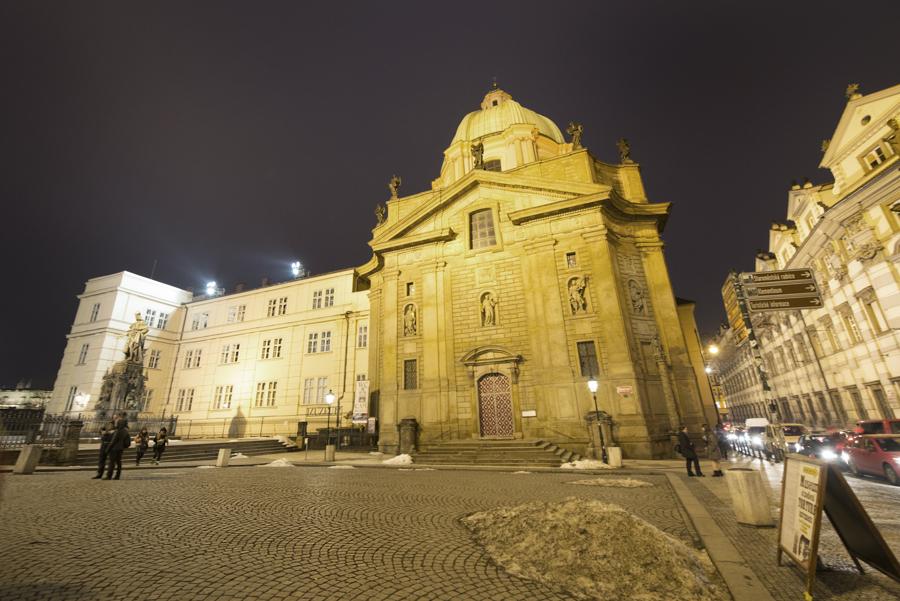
571 260
410 288
222 397
312 343
150 318
231 353
832 336
185 399
321 389
82 356
492 165
146 398
856 399
308 389
163 320
282 305
362 335
276 348
95 311
851 327
200 321
481 229
273 305
875 157
880 400
329 297
153 359
271 349
816 342
236 313
317 299
70 399
410 374
587 359
188 359
360 377
266 350
874 314
326 342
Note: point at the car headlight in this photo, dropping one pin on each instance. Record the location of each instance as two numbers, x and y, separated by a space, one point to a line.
757 440
846 457
732 437
896 459
797 447
828 455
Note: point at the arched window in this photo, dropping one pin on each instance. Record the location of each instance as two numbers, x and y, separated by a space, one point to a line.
481 229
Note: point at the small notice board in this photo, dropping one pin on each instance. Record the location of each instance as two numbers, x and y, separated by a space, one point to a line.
809 486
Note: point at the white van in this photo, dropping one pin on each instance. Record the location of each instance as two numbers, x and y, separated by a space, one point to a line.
764 436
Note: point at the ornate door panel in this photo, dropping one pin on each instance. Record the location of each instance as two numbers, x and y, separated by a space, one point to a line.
495 409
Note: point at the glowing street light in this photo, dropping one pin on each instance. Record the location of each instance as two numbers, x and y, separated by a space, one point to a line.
329 398
210 288
708 369
297 268
593 385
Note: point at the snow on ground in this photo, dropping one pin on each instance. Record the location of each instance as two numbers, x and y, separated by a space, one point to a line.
403 459
239 456
205 467
595 550
341 467
376 453
615 482
284 440
278 463
522 472
586 464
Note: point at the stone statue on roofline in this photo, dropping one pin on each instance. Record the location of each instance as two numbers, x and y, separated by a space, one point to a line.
624 149
394 186
137 334
379 213
575 130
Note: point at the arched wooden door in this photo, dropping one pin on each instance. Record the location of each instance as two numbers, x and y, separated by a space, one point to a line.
495 407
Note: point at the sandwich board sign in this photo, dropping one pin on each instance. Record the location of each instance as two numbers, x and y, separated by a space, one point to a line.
810 486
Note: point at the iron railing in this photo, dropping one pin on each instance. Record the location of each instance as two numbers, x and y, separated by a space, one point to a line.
21 427
153 423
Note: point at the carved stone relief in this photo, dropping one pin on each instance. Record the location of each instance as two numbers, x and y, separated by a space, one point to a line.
636 295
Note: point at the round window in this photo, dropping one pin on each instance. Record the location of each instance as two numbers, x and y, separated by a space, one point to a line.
866 119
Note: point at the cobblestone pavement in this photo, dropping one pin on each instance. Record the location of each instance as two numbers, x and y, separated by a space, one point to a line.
290 533
841 581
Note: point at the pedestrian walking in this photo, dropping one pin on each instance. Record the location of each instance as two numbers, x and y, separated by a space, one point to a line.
724 445
159 444
687 450
106 434
715 450
141 443
121 440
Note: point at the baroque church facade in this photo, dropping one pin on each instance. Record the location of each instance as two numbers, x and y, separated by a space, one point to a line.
490 300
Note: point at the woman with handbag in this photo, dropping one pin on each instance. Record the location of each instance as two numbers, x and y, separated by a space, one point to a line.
160 442
141 443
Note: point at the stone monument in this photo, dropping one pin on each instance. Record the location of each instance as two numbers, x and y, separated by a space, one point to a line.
123 383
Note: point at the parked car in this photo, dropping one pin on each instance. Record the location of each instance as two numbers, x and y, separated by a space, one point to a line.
878 426
819 445
875 454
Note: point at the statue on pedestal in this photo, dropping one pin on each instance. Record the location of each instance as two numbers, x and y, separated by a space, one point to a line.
478 155
394 186
123 384
575 130
137 334
624 149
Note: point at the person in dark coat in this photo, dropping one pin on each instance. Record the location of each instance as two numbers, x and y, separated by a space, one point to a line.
121 440
106 434
689 453
141 443
161 440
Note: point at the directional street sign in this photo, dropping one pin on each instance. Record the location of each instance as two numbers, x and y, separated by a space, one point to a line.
781 290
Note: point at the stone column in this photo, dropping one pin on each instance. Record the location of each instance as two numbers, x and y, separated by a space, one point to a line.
387 358
71 438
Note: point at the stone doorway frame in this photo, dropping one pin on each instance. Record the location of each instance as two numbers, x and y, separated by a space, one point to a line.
485 360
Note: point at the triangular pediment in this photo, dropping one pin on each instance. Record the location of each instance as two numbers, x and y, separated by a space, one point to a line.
861 117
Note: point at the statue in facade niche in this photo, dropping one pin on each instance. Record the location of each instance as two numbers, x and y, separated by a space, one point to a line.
394 185
488 313
379 213
893 139
624 149
577 301
636 293
410 323
575 130
478 155
137 334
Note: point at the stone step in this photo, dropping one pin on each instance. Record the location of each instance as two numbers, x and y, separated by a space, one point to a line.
195 452
517 453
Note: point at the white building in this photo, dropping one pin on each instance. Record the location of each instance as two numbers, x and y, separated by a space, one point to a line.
841 362
256 361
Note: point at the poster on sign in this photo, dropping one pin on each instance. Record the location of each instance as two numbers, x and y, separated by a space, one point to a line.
801 511
361 402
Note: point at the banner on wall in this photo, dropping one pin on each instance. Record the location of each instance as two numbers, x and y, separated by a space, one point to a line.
361 402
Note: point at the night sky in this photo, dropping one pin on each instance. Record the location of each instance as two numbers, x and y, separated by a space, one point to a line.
225 139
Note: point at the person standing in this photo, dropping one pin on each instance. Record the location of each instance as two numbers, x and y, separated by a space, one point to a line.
161 440
106 434
714 450
121 440
689 453
142 443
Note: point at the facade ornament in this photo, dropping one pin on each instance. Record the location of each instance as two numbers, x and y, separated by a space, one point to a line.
137 334
636 293
577 300
410 321
488 311
852 92
794 185
825 144
394 186
575 130
379 214
893 139
659 352
478 155
833 264
624 149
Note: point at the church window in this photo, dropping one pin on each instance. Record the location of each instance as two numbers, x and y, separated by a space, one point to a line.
410 288
95 311
481 229
571 260
153 359
851 327
494 102
410 374
587 359
329 297
875 157
492 165
362 335
82 356
874 314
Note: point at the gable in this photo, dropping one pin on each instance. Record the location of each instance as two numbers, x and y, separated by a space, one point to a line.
861 120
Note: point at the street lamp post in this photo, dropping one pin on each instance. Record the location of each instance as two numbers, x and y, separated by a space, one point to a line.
329 448
593 385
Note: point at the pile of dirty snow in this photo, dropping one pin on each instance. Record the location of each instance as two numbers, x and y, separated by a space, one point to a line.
206 467
586 464
376 453
403 459
341 467
614 482
239 456
522 472
595 550
278 463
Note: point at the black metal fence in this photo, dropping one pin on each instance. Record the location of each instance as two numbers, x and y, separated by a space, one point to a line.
19 427
153 423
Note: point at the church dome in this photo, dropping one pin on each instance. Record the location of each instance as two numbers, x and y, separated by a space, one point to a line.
498 112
